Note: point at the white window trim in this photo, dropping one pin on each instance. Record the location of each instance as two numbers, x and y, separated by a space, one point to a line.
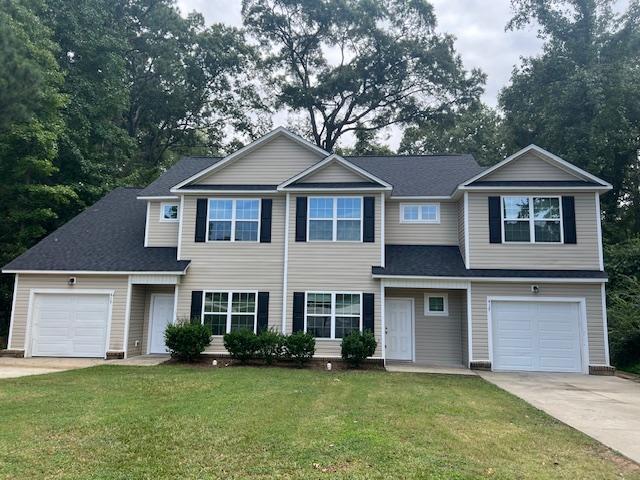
228 312
428 312
233 220
333 312
403 206
531 220
170 204
334 219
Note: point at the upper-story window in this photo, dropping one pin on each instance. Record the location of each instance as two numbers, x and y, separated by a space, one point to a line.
233 220
419 213
169 212
335 219
532 219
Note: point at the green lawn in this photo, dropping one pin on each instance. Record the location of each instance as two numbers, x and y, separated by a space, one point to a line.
113 422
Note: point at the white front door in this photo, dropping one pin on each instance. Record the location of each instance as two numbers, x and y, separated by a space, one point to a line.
161 316
399 328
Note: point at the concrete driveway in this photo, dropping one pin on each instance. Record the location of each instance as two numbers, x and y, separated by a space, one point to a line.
22 367
605 408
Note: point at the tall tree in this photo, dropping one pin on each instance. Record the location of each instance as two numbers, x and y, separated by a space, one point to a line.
358 65
579 98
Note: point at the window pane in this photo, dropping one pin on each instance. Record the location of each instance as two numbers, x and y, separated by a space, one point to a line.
547 231
348 230
347 304
220 230
247 209
436 304
516 207
429 212
517 231
319 327
217 323
320 230
246 231
321 207
220 209
410 212
546 208
349 207
242 322
318 303
346 325
170 212
243 303
216 302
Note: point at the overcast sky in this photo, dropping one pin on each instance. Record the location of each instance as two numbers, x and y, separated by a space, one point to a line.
478 25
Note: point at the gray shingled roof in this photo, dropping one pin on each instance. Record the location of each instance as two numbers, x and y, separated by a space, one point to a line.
185 168
446 261
108 236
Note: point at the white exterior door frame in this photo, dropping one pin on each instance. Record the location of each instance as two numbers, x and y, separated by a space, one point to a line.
413 325
582 319
152 297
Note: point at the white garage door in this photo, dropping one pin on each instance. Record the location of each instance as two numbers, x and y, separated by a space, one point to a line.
70 325
536 336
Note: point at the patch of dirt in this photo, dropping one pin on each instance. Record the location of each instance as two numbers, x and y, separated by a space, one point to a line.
625 464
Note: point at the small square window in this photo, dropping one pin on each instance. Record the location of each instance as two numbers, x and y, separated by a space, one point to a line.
169 212
436 304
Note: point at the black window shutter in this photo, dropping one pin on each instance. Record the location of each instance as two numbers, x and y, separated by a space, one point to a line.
569 219
265 220
263 311
301 219
495 220
367 311
201 219
368 234
196 306
298 312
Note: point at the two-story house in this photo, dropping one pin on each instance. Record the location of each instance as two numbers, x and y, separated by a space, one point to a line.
447 262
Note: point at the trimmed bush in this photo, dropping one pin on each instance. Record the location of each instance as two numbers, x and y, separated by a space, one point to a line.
300 347
271 345
242 344
357 347
186 341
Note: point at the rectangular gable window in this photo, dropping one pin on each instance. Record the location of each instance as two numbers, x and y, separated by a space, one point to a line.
335 219
532 219
419 213
233 220
169 212
225 312
333 315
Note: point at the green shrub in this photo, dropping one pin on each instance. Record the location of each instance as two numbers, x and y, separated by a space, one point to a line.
241 344
271 345
300 347
624 322
356 347
186 341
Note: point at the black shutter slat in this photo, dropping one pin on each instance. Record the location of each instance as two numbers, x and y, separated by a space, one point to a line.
263 311
368 234
495 220
301 219
201 219
569 219
298 312
367 311
265 220
196 306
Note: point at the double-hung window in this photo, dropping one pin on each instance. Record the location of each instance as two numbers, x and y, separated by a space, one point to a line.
419 213
234 220
333 315
532 219
335 219
227 312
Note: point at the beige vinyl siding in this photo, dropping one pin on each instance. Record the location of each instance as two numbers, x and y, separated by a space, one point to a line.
250 266
438 339
333 267
530 167
334 172
270 164
590 292
118 283
136 319
149 290
465 329
160 234
443 233
580 256
460 220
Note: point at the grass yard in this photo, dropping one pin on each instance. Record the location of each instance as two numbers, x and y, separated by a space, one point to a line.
113 422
